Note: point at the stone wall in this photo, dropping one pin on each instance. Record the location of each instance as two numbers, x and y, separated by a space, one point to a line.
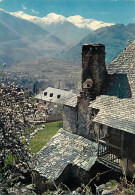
93 66
83 118
86 127
78 120
69 118
53 118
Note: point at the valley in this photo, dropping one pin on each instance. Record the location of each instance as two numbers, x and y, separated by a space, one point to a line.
46 72
47 51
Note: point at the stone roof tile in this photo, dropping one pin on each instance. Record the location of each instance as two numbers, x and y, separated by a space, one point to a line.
63 149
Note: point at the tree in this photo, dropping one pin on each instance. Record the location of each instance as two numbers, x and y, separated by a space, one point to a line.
15 128
35 88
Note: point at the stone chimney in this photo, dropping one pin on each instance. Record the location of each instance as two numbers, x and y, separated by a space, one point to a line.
93 68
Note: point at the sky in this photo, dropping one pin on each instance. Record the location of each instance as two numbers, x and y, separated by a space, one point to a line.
112 11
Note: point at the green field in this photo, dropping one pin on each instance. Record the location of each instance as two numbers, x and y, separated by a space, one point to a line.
42 137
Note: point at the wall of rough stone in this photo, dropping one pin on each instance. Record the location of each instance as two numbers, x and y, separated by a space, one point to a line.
83 118
69 118
53 118
86 127
93 66
41 183
79 120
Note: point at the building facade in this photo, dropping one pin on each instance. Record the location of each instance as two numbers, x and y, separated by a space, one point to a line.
105 109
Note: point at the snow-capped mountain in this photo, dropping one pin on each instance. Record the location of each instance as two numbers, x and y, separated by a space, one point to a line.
23 39
87 23
51 18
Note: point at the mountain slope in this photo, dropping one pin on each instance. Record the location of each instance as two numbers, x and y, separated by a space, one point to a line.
67 31
114 38
70 30
21 39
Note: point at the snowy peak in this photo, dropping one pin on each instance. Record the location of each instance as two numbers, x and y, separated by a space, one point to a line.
80 21
87 23
52 18
49 19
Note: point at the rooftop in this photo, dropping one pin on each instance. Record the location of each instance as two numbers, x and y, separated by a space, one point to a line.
63 149
115 112
125 64
117 103
57 96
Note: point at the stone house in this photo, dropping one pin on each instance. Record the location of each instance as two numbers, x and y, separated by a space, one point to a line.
105 111
99 124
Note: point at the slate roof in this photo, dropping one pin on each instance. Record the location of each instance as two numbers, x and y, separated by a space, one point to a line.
125 64
64 96
115 112
117 104
63 149
71 101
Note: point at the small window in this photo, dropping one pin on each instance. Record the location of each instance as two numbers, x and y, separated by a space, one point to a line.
58 96
115 131
51 94
96 48
45 93
37 101
90 48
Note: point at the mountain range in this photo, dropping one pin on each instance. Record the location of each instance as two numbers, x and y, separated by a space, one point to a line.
54 36
77 20
23 36
22 39
70 30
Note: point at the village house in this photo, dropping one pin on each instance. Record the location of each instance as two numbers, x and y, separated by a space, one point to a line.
99 124
51 100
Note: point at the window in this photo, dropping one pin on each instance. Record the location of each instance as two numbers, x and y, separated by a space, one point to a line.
114 131
37 101
90 48
51 94
58 96
45 93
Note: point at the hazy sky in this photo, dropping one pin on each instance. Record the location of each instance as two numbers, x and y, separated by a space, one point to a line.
116 11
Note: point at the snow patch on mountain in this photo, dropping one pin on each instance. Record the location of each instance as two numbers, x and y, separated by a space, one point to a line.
51 18
87 23
79 21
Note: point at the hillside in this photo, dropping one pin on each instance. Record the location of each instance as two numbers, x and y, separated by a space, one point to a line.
113 37
71 30
66 31
22 39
